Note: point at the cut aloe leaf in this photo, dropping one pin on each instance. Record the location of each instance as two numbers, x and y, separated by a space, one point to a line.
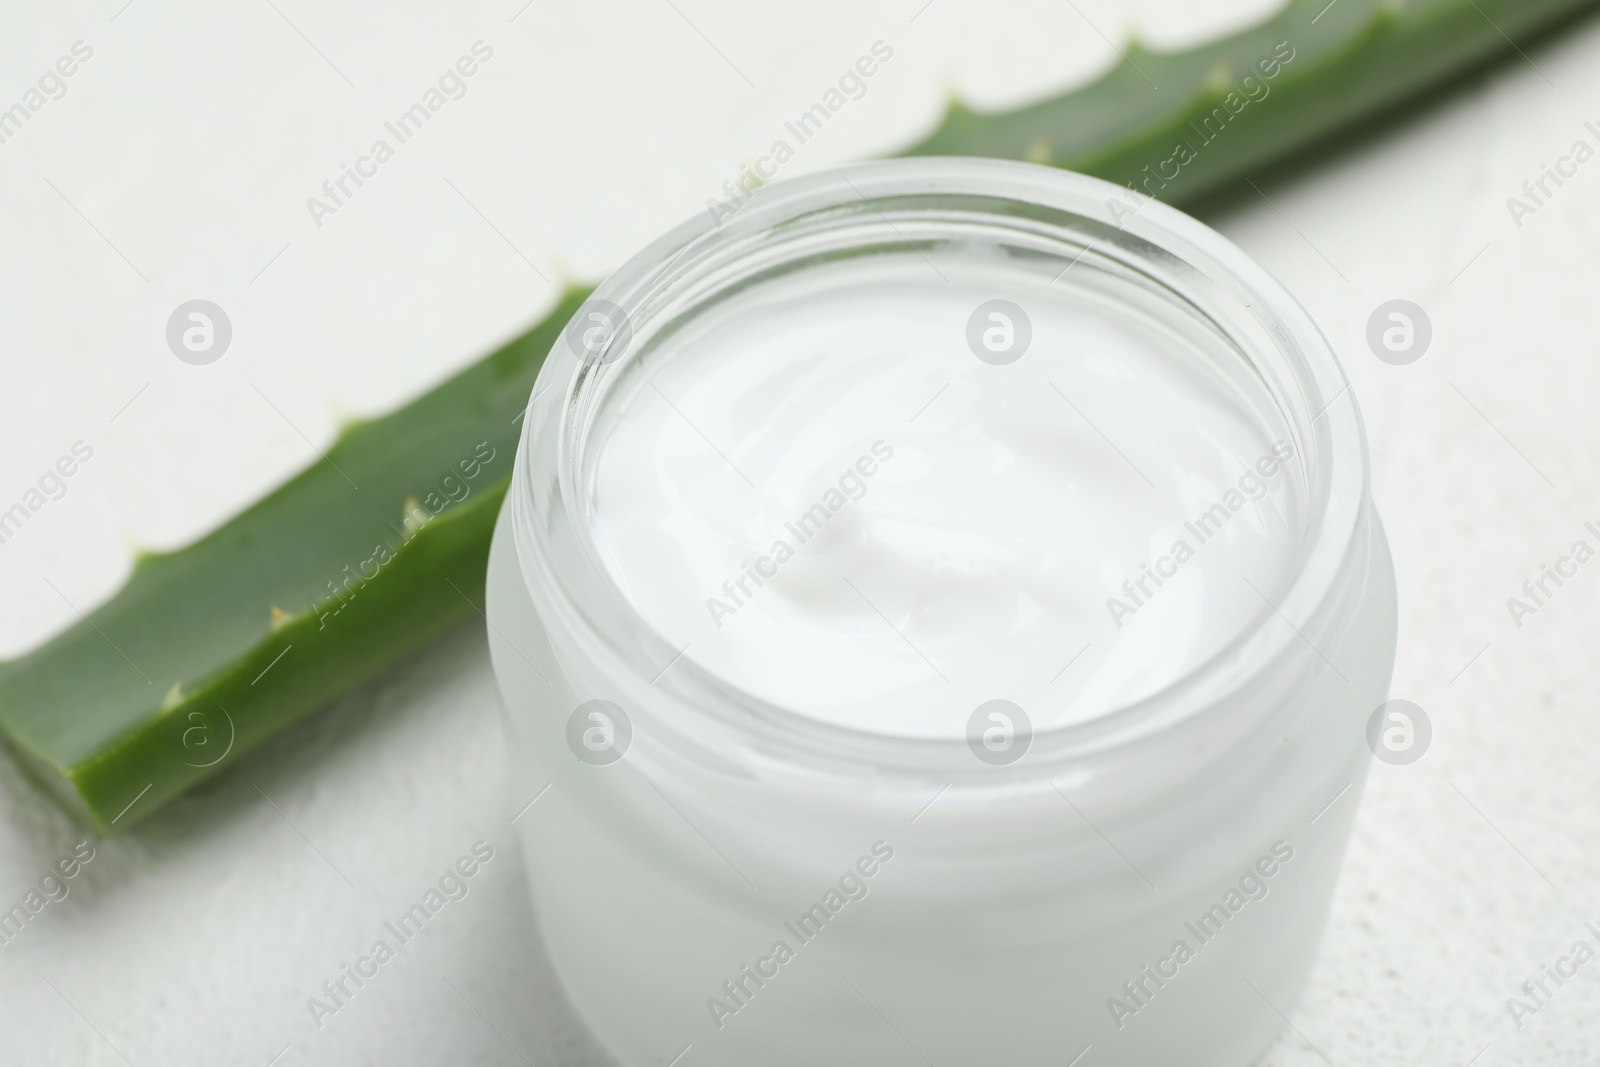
1181 125
356 561
209 650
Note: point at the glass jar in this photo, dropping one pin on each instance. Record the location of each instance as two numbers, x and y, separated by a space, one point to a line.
726 879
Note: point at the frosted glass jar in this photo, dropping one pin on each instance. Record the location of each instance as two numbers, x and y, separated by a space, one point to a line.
1133 873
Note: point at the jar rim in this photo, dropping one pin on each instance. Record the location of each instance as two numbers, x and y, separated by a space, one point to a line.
574 589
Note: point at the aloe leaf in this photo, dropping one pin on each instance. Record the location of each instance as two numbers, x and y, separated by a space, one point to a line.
1351 60
354 562
209 650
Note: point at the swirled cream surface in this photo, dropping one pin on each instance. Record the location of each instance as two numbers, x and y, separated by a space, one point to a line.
917 484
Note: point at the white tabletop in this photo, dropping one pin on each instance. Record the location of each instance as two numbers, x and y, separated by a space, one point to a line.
177 166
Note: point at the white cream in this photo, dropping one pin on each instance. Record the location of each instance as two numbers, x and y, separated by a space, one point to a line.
981 520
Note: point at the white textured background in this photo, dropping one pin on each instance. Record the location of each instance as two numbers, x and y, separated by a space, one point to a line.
177 167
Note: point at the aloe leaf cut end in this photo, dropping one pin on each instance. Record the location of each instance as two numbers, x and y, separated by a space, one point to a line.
207 651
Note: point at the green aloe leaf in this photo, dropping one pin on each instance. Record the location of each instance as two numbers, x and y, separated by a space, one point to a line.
1179 126
351 564
354 562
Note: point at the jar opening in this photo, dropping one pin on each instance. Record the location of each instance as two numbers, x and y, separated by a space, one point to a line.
898 442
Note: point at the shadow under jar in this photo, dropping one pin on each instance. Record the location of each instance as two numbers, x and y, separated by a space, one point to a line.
944 602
